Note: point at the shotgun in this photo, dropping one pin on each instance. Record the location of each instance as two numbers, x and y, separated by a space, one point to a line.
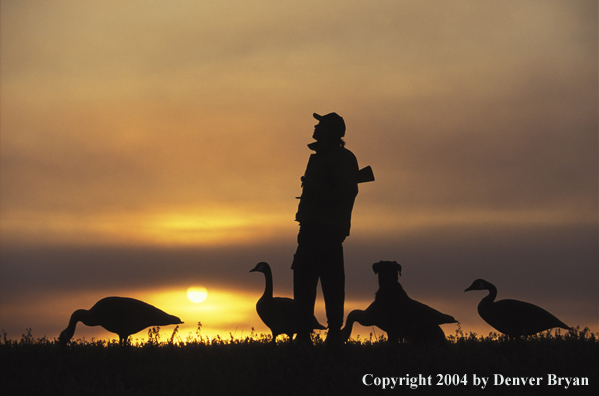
365 175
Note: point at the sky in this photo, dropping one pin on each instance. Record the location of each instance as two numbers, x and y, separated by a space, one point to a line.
152 146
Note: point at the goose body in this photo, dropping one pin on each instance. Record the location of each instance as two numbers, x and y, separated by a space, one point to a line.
282 315
512 317
121 315
394 312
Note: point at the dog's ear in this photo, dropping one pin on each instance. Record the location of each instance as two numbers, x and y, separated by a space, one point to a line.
398 266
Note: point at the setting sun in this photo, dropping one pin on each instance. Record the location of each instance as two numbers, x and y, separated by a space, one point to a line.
197 294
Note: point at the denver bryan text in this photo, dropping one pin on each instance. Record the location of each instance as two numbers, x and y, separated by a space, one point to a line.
551 380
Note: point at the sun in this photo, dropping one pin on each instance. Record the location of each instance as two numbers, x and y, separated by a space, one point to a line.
197 294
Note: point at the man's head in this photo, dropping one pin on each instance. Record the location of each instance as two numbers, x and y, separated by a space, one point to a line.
331 127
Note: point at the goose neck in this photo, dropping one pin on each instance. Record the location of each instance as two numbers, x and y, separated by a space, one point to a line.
492 294
80 315
268 292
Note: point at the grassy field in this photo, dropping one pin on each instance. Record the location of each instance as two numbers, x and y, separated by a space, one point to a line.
254 366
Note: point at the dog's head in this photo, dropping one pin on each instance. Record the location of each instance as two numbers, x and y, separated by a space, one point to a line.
388 271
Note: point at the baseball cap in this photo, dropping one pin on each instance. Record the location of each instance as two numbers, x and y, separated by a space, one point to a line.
332 121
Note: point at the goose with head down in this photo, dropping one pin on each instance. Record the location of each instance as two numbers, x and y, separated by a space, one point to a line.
121 315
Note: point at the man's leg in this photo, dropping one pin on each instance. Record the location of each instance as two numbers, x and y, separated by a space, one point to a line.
332 279
305 279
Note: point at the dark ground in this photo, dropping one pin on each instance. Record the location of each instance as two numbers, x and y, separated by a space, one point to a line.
255 367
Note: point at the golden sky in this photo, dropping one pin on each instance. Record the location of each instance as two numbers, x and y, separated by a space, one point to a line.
181 126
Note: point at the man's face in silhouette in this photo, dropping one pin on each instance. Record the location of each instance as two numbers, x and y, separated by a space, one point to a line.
322 133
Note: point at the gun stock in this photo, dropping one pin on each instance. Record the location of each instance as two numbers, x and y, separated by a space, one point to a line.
365 175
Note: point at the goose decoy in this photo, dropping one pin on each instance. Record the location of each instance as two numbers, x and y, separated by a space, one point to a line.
121 315
282 315
512 317
396 313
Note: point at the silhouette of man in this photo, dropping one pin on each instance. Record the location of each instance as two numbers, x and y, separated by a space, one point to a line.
329 188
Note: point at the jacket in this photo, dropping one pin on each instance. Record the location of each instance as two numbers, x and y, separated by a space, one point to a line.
329 188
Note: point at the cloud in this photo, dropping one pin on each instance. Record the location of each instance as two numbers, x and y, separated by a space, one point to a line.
554 267
130 109
133 132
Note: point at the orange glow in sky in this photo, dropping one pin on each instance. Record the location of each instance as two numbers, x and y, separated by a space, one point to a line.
149 147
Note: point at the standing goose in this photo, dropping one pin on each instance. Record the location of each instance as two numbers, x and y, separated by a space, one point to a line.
121 315
512 317
282 315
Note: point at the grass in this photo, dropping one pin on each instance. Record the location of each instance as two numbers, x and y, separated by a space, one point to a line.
252 365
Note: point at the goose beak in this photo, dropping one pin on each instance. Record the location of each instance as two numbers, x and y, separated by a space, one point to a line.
259 267
476 285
